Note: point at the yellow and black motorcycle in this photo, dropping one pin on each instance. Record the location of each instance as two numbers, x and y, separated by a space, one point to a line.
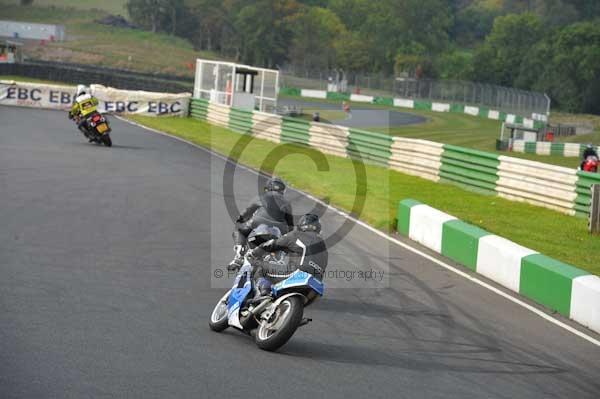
96 128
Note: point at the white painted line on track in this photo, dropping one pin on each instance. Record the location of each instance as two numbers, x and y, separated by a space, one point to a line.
414 250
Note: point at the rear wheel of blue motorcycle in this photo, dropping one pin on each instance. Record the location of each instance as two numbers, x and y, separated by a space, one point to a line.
218 318
274 333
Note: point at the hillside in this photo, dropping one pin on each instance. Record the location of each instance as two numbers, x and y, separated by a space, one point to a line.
89 42
116 7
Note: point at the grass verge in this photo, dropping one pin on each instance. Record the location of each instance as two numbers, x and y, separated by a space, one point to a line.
456 129
560 236
91 43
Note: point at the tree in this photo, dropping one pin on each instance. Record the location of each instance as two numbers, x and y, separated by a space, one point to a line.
25 2
353 52
566 65
156 15
453 65
264 29
473 23
212 26
499 58
315 31
392 25
352 13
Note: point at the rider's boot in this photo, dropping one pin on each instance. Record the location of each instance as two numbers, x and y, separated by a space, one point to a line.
238 259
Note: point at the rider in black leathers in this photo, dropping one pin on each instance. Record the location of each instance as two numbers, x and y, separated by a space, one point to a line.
270 208
305 247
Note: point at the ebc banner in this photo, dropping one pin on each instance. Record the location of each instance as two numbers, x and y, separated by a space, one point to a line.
36 95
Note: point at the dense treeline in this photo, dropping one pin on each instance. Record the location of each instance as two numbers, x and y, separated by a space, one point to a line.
547 45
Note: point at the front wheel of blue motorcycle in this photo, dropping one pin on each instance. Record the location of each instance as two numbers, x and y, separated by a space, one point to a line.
218 318
279 328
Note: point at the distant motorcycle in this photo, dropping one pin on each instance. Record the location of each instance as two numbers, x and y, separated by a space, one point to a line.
273 318
590 164
97 129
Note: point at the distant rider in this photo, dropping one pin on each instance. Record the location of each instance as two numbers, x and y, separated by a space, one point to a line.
306 249
589 151
270 208
83 106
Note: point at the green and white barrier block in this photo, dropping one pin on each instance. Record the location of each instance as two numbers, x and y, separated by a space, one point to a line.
528 123
472 110
440 107
572 149
585 301
404 103
313 93
560 287
500 260
359 98
426 225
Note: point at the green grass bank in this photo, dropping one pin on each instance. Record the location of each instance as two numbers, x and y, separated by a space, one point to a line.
560 236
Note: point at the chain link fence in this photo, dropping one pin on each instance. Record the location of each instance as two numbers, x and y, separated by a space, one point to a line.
505 99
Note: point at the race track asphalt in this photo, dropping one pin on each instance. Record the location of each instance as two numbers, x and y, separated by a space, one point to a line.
108 256
360 117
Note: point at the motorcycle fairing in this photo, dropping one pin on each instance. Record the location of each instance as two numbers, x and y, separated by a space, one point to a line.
238 296
299 279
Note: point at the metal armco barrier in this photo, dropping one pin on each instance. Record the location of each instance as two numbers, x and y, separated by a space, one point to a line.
554 187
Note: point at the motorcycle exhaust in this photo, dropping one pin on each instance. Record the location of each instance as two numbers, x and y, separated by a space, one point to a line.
250 318
258 309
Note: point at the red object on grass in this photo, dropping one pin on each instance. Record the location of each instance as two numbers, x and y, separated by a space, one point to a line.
591 164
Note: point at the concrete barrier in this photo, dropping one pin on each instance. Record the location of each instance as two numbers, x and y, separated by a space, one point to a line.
218 114
537 183
329 139
540 184
266 126
416 157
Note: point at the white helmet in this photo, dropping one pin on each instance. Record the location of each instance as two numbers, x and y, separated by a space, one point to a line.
81 89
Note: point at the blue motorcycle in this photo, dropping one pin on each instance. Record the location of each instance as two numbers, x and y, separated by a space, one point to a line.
273 318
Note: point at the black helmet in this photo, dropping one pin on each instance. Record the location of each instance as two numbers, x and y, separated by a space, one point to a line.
262 234
275 184
309 222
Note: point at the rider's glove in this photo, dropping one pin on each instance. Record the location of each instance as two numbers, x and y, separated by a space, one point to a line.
267 245
252 254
